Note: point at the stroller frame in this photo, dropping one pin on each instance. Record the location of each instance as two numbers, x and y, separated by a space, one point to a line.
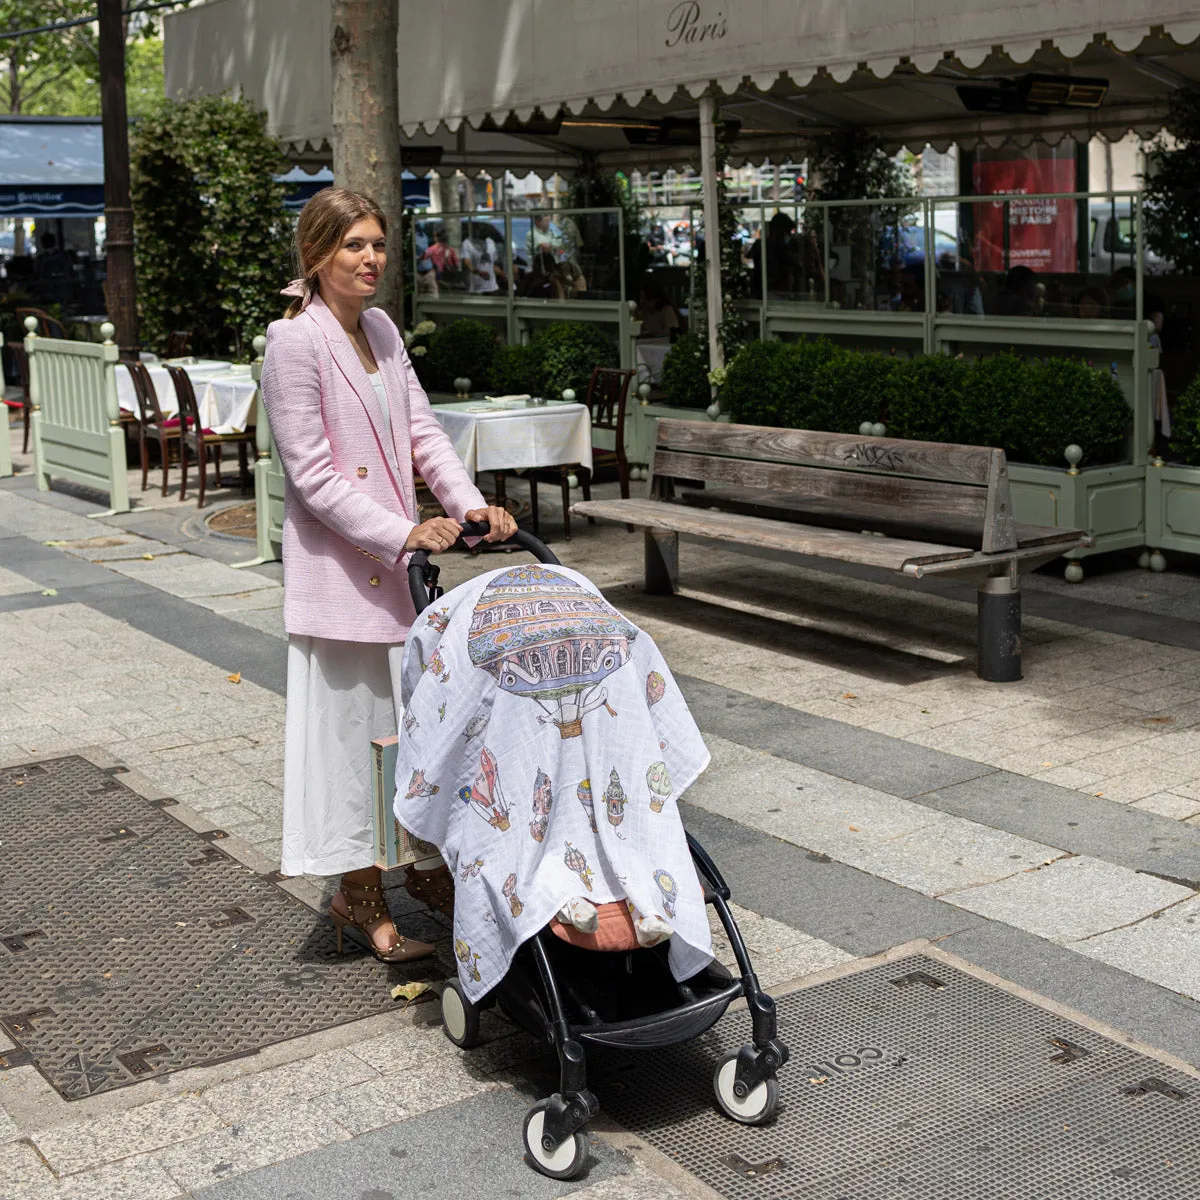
745 1081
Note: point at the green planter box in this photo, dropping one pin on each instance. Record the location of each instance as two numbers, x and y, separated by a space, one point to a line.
1173 508
1109 503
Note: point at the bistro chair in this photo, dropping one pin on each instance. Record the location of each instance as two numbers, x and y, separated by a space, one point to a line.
24 403
48 326
607 397
151 422
177 343
201 440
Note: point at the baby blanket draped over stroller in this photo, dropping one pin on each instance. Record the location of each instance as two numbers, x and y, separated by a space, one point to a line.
544 747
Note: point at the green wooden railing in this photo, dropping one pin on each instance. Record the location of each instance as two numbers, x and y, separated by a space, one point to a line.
75 420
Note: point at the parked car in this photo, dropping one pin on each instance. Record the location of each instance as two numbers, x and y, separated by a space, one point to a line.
1113 241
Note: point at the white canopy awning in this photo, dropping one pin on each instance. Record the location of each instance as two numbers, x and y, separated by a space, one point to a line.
572 76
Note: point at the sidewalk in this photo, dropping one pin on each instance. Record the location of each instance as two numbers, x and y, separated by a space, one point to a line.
866 790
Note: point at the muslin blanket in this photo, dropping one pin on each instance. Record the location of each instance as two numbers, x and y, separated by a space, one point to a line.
543 749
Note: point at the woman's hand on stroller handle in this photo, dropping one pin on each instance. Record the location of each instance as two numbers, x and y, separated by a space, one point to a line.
438 533
500 522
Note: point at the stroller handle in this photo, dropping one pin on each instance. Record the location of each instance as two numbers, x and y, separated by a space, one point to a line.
423 574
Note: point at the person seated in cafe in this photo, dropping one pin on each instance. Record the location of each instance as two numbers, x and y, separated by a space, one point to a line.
908 294
545 279
783 273
655 311
1019 295
442 255
1091 306
1121 289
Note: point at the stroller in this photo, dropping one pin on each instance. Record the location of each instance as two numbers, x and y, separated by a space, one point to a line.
573 996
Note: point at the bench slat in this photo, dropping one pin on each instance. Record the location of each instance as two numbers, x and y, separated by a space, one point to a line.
811 510
891 553
894 497
889 456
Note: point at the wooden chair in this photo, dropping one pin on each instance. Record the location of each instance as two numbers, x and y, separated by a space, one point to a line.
177 343
152 423
201 440
25 403
48 326
607 398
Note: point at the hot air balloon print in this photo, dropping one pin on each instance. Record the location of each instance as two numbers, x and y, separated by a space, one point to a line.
410 721
656 688
584 792
418 786
615 799
471 870
658 780
666 885
543 797
477 724
510 894
577 862
541 635
439 619
485 795
437 667
468 958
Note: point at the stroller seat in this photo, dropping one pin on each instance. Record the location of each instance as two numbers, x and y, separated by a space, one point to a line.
614 929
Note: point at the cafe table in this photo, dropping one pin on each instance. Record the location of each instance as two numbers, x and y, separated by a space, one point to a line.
517 435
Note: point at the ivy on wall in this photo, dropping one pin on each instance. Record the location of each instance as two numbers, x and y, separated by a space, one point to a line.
212 236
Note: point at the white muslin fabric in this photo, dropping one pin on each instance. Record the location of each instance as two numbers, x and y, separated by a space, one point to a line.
544 747
340 695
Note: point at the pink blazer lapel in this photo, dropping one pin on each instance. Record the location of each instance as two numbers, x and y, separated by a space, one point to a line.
348 363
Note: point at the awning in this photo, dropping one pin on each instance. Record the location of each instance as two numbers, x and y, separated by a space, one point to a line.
518 81
54 167
51 167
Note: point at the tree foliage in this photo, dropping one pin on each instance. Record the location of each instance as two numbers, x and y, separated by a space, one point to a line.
212 235
1172 186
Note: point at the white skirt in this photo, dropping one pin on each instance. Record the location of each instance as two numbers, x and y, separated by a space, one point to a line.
340 695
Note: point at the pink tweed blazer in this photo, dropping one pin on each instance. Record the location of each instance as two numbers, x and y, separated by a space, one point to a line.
351 502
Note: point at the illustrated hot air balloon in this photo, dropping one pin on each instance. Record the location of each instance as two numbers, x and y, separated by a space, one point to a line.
471 870
615 799
656 688
658 780
417 786
439 620
584 792
666 885
468 958
510 894
437 666
410 721
542 635
543 797
485 796
576 862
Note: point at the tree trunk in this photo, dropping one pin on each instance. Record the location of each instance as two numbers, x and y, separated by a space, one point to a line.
120 284
366 123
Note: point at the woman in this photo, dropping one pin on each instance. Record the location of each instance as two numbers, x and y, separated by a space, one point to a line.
351 422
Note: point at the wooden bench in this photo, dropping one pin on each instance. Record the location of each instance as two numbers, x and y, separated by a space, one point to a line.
795 494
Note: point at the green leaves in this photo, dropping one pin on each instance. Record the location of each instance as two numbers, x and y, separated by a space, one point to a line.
1185 424
685 372
212 237
464 348
1172 186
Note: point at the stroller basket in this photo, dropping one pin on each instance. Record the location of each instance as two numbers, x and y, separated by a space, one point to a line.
573 996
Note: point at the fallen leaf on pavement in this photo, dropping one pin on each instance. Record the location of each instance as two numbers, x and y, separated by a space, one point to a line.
148 557
819 1079
1099 793
852 828
1047 764
54 543
408 992
236 677
50 592
849 696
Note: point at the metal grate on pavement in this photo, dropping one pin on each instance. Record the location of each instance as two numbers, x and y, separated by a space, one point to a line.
913 1080
131 946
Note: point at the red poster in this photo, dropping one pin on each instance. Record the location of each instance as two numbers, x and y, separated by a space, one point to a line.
1041 233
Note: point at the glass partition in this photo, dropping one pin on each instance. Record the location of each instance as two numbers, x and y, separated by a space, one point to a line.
1073 256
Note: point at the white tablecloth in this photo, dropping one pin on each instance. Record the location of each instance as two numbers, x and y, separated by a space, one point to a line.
199 373
502 439
229 404
650 357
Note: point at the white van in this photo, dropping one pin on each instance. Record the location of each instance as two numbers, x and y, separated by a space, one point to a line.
1113 241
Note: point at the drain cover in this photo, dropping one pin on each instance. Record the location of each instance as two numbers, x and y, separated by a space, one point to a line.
131 946
915 1081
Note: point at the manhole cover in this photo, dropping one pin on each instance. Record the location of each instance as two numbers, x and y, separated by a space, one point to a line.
131 946
239 520
915 1081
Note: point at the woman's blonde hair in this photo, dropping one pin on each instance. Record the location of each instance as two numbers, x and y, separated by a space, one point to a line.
319 231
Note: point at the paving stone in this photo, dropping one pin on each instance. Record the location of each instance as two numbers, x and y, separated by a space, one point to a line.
1169 804
1164 949
23 1174
1138 784
332 1071
133 1179
190 577
274 1135
82 1144
1070 899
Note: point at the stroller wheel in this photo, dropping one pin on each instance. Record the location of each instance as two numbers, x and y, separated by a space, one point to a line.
460 1018
757 1106
563 1161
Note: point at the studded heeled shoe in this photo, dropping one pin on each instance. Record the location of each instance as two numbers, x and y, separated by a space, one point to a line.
360 906
434 888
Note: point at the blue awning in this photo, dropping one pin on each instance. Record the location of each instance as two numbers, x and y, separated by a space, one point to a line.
54 167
